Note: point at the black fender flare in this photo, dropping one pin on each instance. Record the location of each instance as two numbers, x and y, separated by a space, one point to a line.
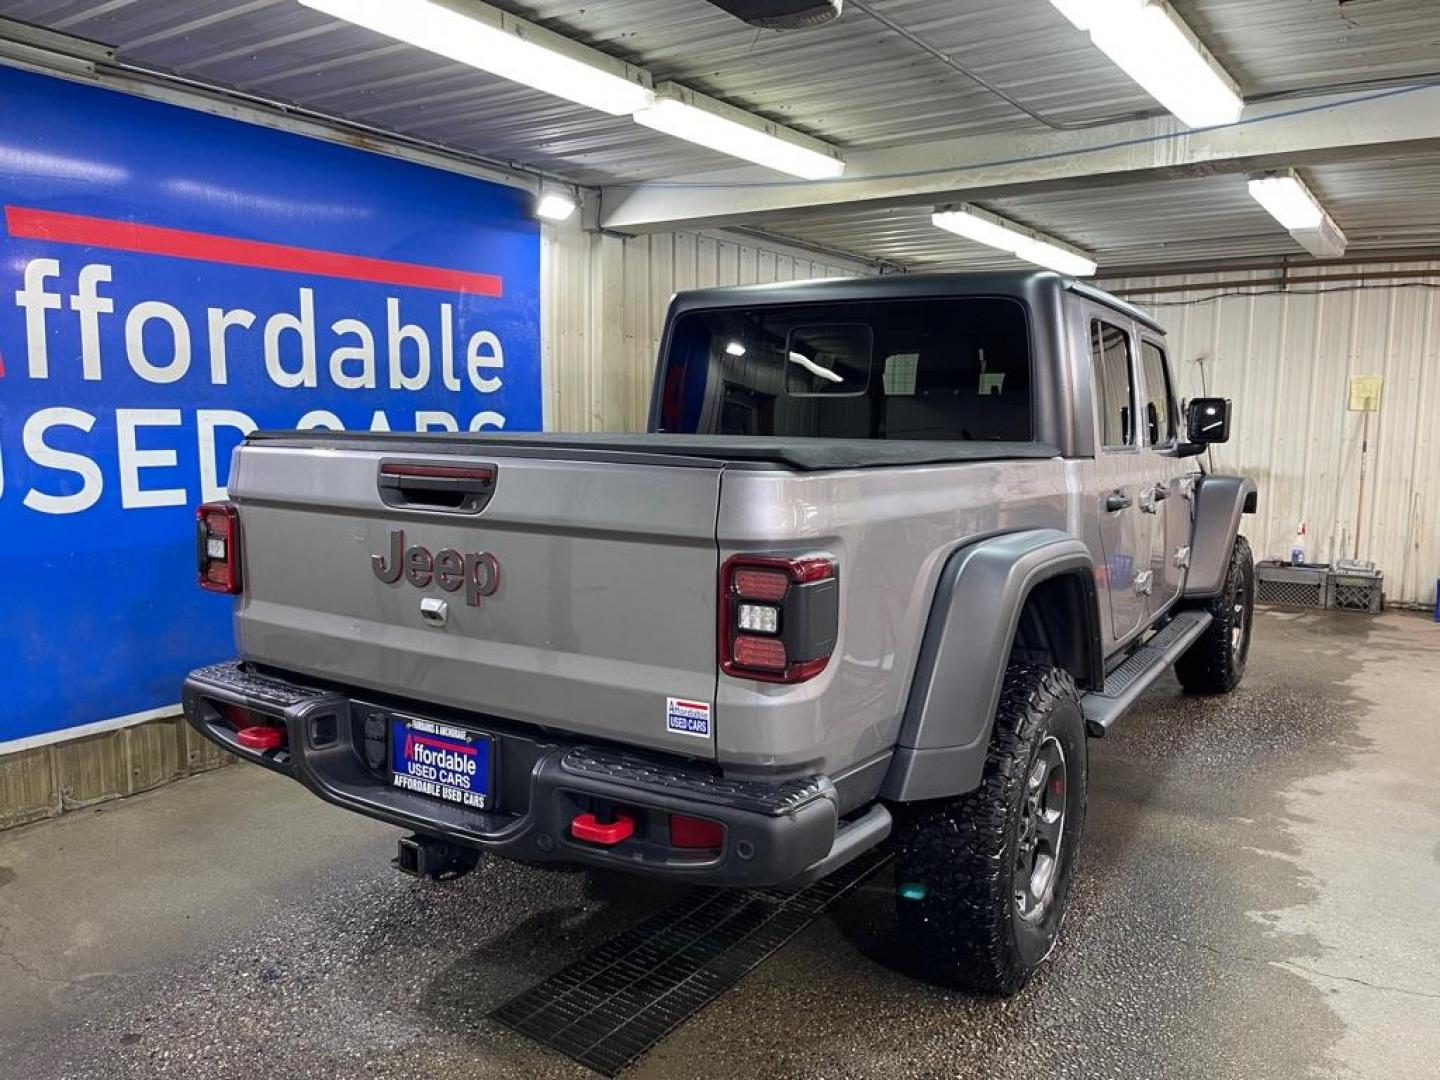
1219 502
974 618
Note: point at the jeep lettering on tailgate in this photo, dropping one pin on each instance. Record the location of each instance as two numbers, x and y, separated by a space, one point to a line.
478 572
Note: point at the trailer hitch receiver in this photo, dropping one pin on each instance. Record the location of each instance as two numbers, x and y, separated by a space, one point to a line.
429 857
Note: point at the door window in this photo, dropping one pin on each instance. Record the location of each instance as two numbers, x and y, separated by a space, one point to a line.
1115 383
1159 396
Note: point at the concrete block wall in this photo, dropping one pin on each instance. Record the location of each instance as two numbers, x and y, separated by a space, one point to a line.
49 780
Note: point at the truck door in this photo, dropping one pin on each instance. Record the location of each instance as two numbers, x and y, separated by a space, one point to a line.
1122 472
1172 478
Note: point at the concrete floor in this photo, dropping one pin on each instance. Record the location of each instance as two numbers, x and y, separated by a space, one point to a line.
1259 897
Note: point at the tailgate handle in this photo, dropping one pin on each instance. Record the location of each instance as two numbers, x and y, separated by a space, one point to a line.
460 489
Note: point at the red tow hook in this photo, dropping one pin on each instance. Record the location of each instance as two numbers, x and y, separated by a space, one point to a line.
587 827
261 737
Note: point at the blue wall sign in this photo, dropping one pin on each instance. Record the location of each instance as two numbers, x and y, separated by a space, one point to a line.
170 280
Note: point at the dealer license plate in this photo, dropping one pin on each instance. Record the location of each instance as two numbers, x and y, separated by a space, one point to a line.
441 761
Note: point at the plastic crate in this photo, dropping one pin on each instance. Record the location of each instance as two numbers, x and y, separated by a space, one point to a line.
1304 585
1355 590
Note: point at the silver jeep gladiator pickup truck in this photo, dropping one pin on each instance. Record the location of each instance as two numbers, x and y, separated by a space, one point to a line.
891 550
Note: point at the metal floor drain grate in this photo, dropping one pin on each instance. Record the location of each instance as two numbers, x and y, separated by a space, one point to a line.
613 1005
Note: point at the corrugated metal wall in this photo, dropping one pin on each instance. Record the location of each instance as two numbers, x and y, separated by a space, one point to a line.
604 299
1286 358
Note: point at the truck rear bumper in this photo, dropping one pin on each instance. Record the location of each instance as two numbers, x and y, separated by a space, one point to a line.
785 833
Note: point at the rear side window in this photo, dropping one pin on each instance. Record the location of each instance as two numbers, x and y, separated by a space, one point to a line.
1115 386
931 369
1159 397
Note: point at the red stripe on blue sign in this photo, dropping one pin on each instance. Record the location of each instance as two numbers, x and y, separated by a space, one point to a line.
31 224
411 741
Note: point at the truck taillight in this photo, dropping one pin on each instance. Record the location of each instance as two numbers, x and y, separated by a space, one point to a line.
217 547
779 616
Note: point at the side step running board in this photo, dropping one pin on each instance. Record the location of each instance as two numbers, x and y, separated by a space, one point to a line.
1141 668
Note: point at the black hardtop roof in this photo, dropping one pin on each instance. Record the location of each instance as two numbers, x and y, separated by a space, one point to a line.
1023 284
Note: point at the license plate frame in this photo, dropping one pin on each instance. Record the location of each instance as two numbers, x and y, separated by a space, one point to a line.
435 759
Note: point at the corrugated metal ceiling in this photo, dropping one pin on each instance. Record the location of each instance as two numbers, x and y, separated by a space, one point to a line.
1381 205
853 82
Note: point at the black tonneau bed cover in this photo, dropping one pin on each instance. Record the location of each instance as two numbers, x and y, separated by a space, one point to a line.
803 455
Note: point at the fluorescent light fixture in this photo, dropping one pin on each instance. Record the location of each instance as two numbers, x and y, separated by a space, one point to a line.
994 231
734 348
1151 44
1325 241
1083 12
1063 259
555 205
1287 199
495 41
975 224
696 118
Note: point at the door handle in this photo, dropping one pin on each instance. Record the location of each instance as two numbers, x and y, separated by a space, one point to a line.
460 489
1117 501
1162 492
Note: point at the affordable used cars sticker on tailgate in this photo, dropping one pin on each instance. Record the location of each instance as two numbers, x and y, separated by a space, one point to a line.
444 762
684 717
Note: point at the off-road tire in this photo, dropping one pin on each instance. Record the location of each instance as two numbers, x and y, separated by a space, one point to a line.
1215 663
956 860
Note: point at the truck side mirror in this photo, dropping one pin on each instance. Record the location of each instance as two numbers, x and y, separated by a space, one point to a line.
1207 420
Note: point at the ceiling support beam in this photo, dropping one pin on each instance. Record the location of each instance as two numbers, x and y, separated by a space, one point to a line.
1283 263
1376 278
1275 134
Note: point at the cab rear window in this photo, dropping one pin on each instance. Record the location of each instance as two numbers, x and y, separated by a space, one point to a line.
942 369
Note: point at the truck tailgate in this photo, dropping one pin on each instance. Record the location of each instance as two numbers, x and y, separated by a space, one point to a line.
604 607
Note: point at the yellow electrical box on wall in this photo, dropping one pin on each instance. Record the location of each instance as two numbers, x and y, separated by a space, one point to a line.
1365 393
